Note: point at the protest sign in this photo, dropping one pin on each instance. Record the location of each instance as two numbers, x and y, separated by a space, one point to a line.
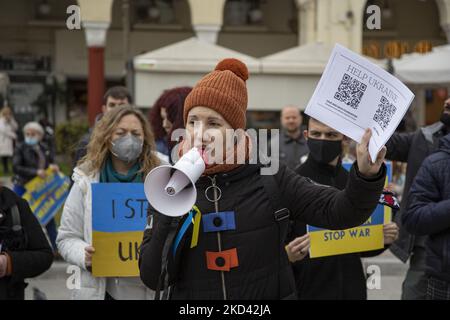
354 94
366 237
46 195
119 216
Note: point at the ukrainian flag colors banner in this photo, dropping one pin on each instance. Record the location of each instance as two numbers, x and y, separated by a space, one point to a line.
46 196
366 237
119 217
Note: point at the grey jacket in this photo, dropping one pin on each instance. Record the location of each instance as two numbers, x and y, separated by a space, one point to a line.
291 150
412 148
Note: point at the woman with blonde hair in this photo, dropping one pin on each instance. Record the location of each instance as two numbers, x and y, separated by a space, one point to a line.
121 150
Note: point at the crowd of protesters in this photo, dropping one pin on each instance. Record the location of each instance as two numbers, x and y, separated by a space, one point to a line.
311 187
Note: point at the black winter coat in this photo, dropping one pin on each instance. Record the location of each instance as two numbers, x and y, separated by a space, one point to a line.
413 148
30 253
263 270
429 210
26 162
339 277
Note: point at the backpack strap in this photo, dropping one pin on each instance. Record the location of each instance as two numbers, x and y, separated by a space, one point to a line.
281 216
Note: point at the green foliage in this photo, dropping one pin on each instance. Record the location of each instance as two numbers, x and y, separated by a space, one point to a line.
68 136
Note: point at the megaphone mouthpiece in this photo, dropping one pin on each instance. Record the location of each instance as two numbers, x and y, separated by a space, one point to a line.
171 189
177 182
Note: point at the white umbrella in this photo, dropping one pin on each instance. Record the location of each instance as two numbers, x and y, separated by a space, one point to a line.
310 58
429 68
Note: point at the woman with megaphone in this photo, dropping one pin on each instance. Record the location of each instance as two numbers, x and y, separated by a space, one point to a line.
230 245
121 150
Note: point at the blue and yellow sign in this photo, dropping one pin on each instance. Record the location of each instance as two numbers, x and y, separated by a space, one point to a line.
46 196
367 237
119 217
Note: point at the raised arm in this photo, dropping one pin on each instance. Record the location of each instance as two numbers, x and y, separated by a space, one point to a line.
398 146
330 208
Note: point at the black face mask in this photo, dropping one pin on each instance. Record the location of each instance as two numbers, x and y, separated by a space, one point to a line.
445 119
324 151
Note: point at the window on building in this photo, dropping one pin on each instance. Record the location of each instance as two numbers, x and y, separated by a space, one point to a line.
51 10
155 11
244 12
418 30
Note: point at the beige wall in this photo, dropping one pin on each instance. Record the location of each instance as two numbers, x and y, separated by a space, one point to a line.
335 25
97 11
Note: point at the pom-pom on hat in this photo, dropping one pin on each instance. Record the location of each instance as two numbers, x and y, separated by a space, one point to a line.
224 91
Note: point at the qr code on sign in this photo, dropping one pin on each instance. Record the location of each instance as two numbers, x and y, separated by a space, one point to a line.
350 91
385 113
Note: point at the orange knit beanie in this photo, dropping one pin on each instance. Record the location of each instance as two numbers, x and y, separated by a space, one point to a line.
224 91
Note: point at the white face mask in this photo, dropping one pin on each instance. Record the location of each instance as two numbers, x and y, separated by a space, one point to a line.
127 148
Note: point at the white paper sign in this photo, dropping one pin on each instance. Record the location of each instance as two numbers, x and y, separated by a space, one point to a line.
354 94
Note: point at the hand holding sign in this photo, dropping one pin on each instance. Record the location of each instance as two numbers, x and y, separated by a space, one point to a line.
54 167
366 167
298 248
354 94
390 233
41 173
88 252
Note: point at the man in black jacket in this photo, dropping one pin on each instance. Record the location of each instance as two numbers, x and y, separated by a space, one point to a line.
413 148
24 249
428 214
334 277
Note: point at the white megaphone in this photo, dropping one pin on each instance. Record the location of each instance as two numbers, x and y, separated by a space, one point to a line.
171 189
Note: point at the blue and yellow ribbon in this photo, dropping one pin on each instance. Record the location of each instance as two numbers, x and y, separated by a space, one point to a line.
195 232
194 217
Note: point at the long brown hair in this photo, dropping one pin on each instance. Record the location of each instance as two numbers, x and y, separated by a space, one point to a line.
98 147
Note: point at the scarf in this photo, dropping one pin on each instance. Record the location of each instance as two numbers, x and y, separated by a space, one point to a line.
109 174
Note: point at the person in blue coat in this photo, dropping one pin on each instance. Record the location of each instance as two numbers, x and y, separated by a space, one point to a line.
428 214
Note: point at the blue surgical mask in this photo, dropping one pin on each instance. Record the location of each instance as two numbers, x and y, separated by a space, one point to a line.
31 141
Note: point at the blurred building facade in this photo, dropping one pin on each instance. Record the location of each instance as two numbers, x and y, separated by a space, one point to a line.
48 64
